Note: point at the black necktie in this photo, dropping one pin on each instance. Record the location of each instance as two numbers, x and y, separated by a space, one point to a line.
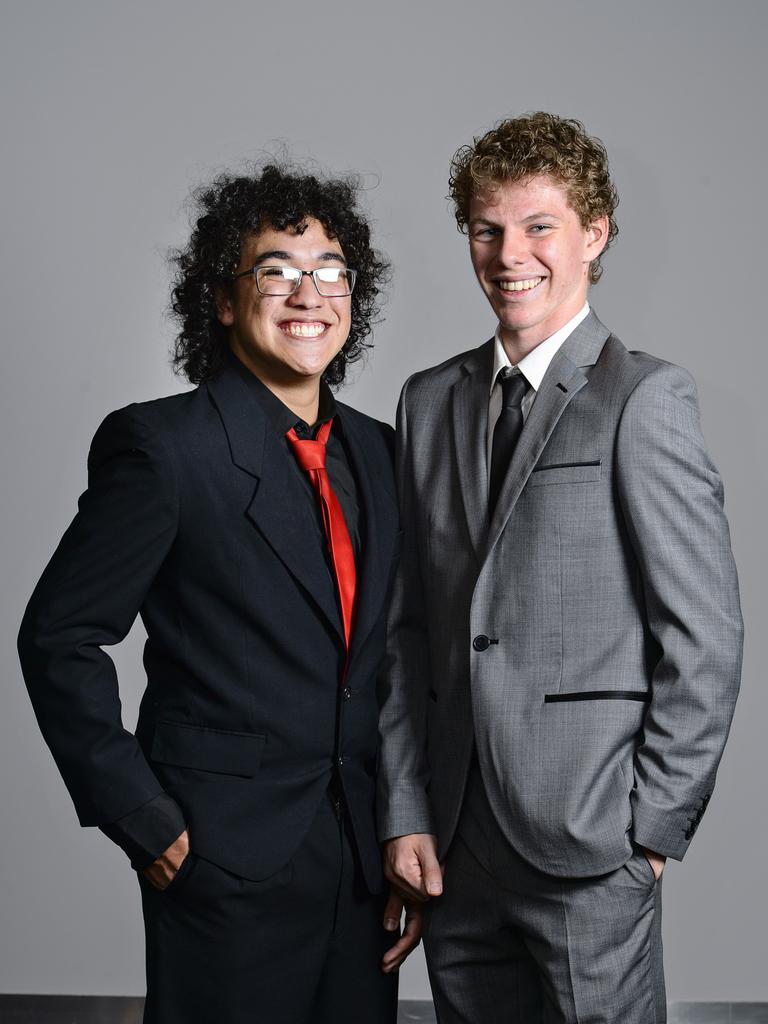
506 432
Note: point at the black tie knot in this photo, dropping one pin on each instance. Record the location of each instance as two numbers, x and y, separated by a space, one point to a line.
513 389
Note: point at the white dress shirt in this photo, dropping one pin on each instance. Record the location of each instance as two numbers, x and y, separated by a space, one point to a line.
533 367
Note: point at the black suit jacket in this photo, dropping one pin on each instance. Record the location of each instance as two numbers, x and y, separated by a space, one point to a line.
195 519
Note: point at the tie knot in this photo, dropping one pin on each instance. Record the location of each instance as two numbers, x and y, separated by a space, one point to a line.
513 388
310 454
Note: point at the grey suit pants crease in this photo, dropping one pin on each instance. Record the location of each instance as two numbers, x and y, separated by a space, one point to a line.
507 944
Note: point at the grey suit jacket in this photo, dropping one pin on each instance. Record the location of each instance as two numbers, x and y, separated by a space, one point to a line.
588 639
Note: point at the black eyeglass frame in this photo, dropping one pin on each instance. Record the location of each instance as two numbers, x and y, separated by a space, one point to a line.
351 275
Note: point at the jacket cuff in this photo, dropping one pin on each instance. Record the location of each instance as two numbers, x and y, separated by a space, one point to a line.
413 816
146 833
667 832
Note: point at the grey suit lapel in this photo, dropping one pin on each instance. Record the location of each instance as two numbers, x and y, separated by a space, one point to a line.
470 429
278 507
562 382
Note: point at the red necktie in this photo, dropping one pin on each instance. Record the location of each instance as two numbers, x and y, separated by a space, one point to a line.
311 456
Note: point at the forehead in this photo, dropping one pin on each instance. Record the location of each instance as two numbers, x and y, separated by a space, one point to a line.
521 199
308 240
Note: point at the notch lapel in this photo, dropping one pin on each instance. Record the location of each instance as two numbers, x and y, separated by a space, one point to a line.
470 432
563 380
379 527
278 507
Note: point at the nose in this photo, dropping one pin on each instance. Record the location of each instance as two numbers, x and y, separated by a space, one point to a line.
306 295
512 249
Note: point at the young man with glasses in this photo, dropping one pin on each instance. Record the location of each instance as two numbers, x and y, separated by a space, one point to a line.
252 523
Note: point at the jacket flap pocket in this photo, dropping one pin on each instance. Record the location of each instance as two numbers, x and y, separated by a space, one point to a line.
565 473
562 698
213 750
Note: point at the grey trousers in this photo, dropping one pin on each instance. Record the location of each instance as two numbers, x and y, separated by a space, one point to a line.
507 944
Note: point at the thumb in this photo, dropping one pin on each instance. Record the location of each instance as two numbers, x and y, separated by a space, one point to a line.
432 876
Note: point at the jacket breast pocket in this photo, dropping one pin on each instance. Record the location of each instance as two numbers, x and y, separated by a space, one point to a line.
565 473
211 750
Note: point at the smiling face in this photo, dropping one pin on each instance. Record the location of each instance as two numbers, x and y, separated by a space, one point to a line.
286 340
531 255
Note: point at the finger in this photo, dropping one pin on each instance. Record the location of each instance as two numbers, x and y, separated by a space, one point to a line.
405 945
156 878
407 885
393 911
407 871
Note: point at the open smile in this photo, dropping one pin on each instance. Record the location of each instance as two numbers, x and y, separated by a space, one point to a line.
526 285
303 328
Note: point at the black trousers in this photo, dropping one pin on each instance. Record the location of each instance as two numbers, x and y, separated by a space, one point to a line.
301 947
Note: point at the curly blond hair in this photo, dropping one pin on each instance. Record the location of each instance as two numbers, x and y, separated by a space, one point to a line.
540 143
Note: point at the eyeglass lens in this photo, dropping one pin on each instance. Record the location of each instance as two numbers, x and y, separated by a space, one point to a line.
329 281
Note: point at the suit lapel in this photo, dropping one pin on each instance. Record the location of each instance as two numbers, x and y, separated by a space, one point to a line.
563 380
379 527
470 430
278 507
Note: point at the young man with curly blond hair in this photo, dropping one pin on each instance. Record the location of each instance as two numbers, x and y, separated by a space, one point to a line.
565 634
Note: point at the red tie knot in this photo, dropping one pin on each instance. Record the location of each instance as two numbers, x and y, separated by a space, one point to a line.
309 454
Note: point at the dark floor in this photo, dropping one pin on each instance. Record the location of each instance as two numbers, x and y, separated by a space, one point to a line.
115 1010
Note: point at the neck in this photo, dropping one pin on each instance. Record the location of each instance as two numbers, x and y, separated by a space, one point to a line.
304 400
302 396
520 343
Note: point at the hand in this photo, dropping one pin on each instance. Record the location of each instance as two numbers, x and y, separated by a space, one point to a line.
161 872
411 936
411 865
656 860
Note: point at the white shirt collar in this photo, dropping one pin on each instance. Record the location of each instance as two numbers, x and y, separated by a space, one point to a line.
536 363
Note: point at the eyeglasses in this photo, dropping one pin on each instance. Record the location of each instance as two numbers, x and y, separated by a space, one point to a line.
329 281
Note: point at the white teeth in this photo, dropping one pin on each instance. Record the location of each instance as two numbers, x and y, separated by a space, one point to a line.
520 286
304 330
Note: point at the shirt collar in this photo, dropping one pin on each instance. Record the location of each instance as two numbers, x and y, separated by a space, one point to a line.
536 363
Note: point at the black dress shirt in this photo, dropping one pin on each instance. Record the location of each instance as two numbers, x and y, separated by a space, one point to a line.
147 832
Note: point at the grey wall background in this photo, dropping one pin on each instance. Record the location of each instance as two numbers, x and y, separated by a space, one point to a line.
110 112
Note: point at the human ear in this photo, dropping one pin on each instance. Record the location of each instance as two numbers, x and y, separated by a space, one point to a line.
597 238
224 310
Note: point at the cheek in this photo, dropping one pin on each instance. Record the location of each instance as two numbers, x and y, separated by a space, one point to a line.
345 324
480 262
563 264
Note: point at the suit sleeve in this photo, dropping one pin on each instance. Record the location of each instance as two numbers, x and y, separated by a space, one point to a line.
672 501
87 598
403 778
144 834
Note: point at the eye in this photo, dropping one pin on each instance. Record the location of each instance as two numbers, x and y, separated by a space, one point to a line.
280 273
485 232
538 229
331 275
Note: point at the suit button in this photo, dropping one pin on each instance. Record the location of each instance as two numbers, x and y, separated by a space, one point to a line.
346 693
481 642
339 761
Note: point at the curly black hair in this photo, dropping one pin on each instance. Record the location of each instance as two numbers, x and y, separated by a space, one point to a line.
232 208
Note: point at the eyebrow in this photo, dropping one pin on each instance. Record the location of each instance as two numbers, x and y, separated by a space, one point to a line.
281 254
540 215
531 218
